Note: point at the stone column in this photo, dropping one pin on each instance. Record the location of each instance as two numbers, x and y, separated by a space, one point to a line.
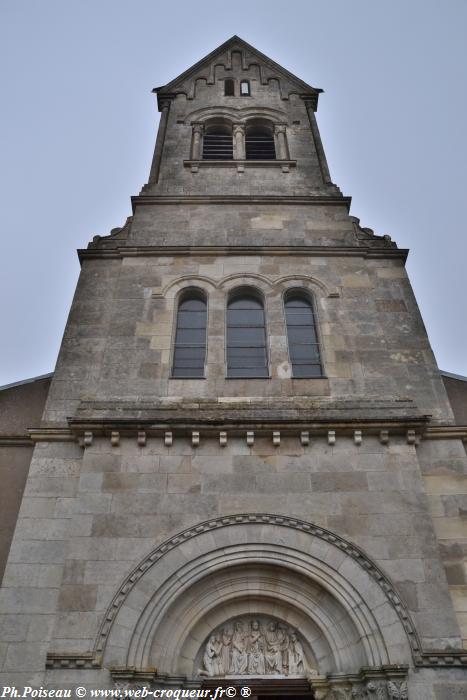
196 137
239 141
156 161
281 141
318 143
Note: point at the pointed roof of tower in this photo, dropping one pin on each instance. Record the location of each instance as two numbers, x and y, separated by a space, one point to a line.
235 43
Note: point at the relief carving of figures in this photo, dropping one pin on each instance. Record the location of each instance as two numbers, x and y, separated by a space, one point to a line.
239 663
256 650
212 656
297 662
255 646
227 634
274 644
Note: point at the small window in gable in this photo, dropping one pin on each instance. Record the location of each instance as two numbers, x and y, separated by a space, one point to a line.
190 337
229 87
245 88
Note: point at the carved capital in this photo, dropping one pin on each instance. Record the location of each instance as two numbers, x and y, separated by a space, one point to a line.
198 128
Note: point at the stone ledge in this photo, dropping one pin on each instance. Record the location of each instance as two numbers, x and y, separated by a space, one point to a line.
115 251
72 661
285 165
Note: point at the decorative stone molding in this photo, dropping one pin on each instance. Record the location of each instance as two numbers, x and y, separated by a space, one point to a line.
282 283
131 679
236 116
348 548
72 661
278 163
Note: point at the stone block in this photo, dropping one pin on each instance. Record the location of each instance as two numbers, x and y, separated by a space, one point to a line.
79 597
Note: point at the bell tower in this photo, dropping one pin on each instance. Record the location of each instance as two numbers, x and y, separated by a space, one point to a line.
232 482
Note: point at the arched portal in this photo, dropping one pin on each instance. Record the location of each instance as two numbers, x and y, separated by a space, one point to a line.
307 580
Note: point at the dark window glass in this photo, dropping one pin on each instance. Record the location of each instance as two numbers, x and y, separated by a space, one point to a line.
259 144
246 338
229 87
218 145
190 338
301 333
245 88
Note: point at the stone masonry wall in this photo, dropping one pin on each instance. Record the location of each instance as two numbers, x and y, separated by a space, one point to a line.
118 339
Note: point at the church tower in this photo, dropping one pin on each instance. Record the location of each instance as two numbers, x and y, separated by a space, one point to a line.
239 475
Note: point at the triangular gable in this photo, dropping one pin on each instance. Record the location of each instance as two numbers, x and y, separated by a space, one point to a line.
269 69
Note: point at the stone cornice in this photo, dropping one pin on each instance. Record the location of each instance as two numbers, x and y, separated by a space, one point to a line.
184 250
269 200
83 431
446 432
62 660
16 441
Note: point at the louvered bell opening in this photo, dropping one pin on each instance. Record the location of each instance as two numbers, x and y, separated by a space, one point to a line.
217 146
260 146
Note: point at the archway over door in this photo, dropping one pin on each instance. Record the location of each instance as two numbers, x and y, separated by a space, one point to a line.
305 577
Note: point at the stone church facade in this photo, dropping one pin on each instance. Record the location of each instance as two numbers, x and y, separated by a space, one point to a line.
247 470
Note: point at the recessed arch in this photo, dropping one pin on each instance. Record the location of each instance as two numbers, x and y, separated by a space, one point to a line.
237 115
307 281
176 577
173 288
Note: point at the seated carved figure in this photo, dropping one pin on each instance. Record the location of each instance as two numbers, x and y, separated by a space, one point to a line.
256 643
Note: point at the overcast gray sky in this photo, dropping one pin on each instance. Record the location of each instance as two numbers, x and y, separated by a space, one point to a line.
78 124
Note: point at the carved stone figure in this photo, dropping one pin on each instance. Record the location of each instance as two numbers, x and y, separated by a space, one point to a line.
273 654
212 656
226 655
256 664
239 663
296 656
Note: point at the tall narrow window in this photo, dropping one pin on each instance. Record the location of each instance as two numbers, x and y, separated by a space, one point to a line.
259 143
229 87
246 337
217 143
190 337
301 333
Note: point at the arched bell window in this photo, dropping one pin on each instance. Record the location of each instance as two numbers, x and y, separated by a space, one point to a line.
259 143
246 336
304 351
217 142
189 354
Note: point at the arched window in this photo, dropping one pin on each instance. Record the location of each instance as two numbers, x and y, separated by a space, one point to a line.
190 336
246 336
259 143
229 87
302 337
217 142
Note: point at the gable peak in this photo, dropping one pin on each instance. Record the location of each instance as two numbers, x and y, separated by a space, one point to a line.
222 56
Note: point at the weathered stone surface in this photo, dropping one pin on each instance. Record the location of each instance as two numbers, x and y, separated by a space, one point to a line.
352 505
